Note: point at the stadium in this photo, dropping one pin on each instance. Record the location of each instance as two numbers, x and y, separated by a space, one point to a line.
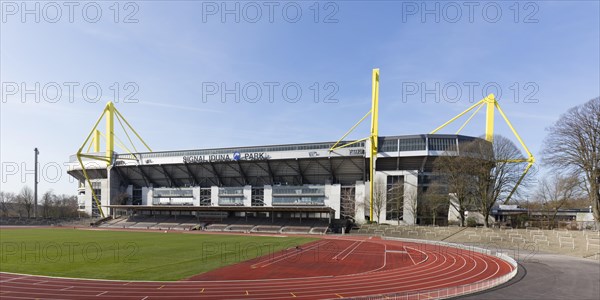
321 182
285 181
260 223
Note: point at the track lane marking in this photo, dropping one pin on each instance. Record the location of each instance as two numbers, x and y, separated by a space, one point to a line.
352 250
413 261
102 293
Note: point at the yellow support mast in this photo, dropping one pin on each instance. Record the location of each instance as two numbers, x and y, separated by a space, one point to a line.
111 113
491 105
373 137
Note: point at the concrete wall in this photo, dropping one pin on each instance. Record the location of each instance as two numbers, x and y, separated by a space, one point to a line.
333 194
361 197
268 195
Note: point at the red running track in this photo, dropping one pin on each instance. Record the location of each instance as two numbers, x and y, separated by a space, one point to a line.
332 267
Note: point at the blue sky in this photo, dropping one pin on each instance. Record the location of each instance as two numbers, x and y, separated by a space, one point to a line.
548 52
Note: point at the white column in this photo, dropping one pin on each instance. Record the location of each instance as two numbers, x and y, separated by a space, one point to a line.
247 195
411 181
360 199
268 195
333 197
196 193
214 195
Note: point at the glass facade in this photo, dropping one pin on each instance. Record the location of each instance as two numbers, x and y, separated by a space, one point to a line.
298 195
205 196
231 196
258 196
97 187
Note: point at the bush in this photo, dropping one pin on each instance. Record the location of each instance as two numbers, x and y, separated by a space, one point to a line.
471 222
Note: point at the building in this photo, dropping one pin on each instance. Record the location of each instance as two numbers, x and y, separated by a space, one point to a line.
276 181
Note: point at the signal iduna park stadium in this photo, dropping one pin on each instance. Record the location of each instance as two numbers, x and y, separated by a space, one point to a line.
310 181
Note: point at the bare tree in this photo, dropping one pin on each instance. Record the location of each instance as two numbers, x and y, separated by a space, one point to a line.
556 194
6 201
395 200
47 202
379 194
434 200
25 200
494 170
348 205
453 172
573 145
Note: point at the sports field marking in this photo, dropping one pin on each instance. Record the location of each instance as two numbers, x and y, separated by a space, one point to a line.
396 251
160 287
2 281
40 282
67 288
339 296
413 261
293 295
352 250
102 293
286 256
201 291
344 250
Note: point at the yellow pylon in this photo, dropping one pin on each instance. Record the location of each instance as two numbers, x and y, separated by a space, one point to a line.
491 104
373 137
111 113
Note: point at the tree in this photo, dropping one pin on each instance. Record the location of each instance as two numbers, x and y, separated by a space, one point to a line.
556 193
453 172
379 193
6 200
395 201
47 203
573 146
348 205
495 174
25 200
434 201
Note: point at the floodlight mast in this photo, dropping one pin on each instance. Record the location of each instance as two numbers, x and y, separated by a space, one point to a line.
111 113
373 137
491 104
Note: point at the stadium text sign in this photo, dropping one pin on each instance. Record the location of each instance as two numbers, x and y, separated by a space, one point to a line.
224 157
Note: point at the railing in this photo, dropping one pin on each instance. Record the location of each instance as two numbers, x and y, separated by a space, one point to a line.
455 291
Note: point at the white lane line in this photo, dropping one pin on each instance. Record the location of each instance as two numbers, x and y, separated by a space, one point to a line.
414 263
396 251
352 250
67 288
102 293
145 298
341 252
40 282
7 280
286 256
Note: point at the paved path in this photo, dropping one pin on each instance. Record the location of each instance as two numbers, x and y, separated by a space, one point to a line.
550 276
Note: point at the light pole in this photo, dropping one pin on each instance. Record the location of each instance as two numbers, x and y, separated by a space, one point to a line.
35 183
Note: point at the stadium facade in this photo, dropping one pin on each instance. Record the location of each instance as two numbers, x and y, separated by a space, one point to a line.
277 181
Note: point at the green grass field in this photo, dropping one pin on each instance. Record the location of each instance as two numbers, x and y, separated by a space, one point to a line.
129 255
